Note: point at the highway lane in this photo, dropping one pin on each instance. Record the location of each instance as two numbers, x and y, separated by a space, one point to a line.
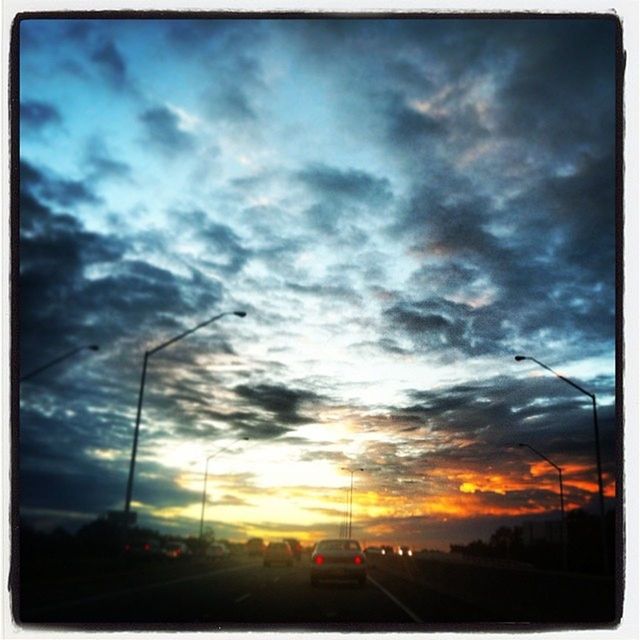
239 591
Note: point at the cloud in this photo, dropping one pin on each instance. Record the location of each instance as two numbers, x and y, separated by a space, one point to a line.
58 191
162 129
283 402
342 198
444 195
407 127
35 114
111 64
552 97
439 327
103 165
222 249
329 182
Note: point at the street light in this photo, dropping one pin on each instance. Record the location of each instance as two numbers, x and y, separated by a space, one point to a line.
605 563
562 522
350 508
64 356
150 352
206 472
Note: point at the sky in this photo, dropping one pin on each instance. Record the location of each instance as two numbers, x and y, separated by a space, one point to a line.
399 206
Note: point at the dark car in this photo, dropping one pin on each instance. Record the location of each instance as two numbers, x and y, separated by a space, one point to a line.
338 559
296 547
175 550
278 553
255 547
147 548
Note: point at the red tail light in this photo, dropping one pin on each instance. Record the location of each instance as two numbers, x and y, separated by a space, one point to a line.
319 559
147 546
358 559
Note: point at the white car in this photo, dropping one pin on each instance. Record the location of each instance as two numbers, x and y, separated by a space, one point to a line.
338 559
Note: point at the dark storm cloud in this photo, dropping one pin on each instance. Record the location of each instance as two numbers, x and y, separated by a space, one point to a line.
111 63
161 127
91 492
351 184
437 326
35 114
128 298
409 128
283 402
561 89
57 191
55 471
102 164
581 207
339 194
553 270
55 250
93 487
501 411
158 489
225 251
196 422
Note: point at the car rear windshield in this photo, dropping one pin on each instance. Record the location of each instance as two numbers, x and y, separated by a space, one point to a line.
338 545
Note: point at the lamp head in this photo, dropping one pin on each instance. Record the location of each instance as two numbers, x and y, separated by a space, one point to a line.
94 347
520 358
240 314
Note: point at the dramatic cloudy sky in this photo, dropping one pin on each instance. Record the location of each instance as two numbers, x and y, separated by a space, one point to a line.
400 206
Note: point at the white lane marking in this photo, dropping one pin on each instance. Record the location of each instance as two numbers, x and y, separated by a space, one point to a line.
241 598
144 587
395 600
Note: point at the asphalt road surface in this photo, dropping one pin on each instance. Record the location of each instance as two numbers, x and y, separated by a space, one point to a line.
239 592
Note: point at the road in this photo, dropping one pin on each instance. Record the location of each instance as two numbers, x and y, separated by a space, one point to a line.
239 591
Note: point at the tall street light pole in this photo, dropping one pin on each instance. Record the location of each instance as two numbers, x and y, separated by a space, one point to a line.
563 538
206 472
603 536
64 356
147 354
350 509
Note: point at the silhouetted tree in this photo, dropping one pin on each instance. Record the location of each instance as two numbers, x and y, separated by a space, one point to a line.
100 537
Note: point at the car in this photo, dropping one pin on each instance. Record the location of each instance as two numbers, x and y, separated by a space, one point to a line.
296 547
387 550
144 548
405 551
277 553
175 550
373 551
255 546
338 559
217 550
